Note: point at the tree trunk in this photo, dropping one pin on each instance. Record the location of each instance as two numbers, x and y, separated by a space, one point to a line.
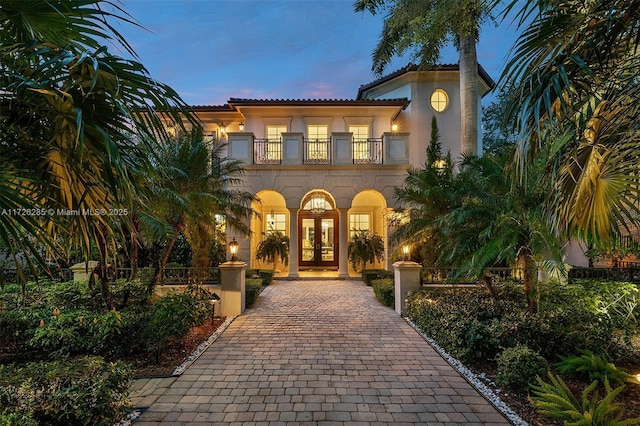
133 238
530 280
469 95
102 268
165 258
487 283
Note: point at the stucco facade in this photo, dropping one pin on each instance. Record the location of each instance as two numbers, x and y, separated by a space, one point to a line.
325 168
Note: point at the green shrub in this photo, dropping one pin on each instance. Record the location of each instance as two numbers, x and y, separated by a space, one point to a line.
266 275
252 287
596 366
384 291
519 366
71 294
85 391
17 420
252 273
368 275
64 332
557 401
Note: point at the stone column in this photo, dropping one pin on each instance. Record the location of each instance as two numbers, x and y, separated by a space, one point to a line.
293 243
343 264
232 299
406 277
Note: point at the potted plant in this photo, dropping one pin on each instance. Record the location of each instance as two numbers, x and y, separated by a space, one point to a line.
274 245
365 247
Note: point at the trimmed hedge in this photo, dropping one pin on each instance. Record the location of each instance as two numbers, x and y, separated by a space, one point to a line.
368 275
266 275
384 291
83 391
519 366
253 288
473 327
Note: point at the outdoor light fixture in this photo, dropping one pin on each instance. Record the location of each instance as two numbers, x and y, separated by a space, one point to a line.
233 248
214 300
241 126
222 128
405 252
317 202
394 127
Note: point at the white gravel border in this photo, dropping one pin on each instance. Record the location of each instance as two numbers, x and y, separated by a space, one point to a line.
131 417
203 347
473 379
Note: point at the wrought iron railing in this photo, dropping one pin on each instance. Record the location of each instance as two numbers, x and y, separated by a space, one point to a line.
454 276
367 151
177 275
317 151
628 272
267 151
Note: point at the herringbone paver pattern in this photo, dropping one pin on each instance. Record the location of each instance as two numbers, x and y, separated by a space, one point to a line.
323 353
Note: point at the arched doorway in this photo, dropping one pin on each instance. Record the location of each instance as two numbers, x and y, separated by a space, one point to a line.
318 242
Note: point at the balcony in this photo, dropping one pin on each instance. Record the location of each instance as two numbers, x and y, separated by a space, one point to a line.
367 151
317 151
267 151
341 149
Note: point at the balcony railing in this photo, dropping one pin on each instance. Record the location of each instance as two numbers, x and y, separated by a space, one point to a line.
267 151
367 151
317 151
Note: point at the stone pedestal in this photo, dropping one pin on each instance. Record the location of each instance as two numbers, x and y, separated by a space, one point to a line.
232 299
406 277
82 271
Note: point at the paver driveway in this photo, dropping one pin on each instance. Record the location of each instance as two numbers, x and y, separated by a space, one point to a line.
318 352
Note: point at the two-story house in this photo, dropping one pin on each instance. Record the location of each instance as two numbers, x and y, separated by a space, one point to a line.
323 168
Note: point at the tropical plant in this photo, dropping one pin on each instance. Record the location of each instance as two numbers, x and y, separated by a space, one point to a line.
274 245
68 108
596 366
557 401
193 193
574 69
499 220
423 27
365 247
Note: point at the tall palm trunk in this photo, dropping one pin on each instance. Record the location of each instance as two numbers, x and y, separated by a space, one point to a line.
469 94
177 228
530 279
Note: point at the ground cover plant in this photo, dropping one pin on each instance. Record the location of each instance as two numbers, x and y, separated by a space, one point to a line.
585 331
62 349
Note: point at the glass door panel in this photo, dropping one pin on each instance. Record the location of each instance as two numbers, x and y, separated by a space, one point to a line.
308 240
328 252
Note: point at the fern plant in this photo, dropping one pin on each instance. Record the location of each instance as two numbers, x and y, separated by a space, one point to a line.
557 401
275 245
596 366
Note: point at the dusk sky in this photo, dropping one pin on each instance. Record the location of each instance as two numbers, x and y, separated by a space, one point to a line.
211 50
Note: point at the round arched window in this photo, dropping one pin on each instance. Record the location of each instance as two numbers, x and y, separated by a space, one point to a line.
439 100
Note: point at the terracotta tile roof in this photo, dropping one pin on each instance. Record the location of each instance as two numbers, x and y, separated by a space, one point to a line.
413 67
403 102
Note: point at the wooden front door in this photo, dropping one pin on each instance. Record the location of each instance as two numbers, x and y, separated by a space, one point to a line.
318 239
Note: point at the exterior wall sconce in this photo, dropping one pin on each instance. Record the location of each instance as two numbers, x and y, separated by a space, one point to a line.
241 127
223 130
233 248
405 252
394 127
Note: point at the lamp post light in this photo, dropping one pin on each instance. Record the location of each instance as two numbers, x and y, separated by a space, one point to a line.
233 248
215 299
405 252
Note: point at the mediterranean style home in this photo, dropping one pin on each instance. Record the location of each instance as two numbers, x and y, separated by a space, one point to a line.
324 168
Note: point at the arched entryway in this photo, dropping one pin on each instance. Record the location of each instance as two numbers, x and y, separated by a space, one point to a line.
318 232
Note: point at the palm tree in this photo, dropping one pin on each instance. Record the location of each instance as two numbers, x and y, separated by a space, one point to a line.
67 109
499 220
193 192
423 27
575 70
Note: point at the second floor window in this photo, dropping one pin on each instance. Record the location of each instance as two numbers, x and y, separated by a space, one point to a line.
270 149
360 145
317 144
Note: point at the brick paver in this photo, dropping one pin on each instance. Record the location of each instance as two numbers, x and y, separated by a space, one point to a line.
321 353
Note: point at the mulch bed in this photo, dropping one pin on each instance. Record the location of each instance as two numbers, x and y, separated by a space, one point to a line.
174 354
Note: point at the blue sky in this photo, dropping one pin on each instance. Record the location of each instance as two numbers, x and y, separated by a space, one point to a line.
211 50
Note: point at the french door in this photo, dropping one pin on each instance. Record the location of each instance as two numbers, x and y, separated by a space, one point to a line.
318 239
